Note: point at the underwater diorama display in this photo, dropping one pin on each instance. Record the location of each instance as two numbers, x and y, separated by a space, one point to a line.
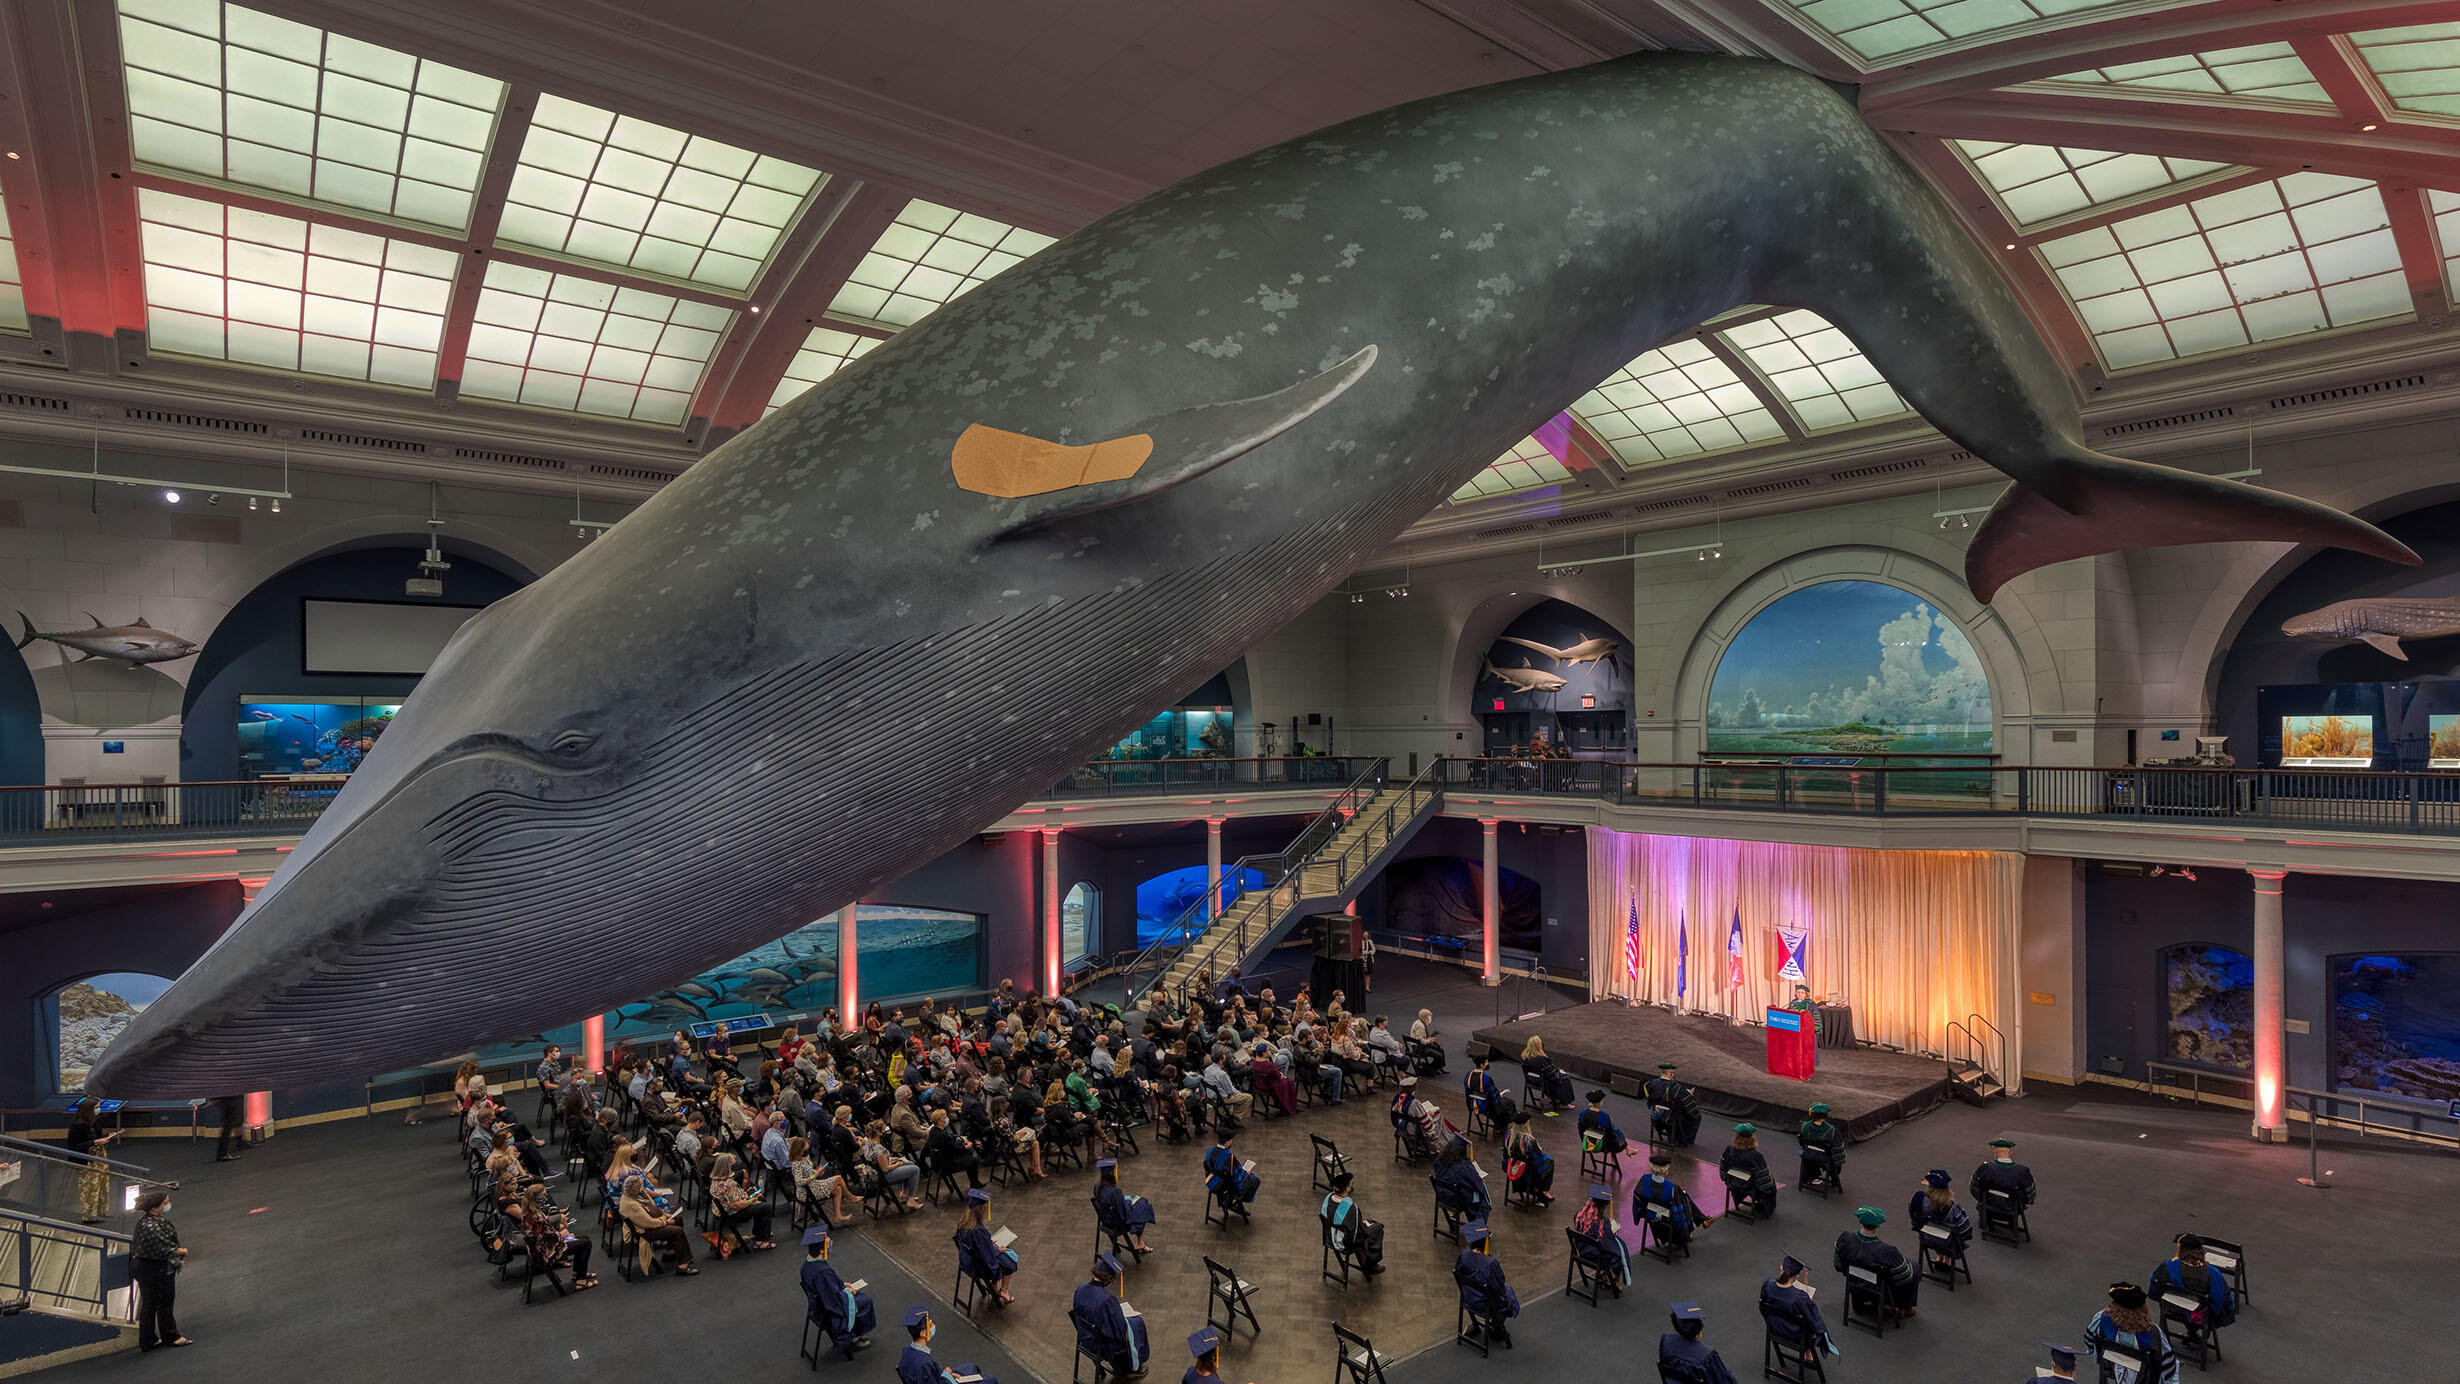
309 735
2396 1024
1441 897
1161 899
2208 994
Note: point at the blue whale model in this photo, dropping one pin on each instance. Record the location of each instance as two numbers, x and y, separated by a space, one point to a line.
858 633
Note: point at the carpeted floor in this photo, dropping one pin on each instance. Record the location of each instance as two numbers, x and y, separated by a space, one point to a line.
342 1252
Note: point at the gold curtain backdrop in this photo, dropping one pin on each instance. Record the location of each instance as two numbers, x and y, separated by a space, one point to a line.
1911 939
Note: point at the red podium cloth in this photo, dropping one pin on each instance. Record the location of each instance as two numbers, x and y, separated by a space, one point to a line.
1793 1044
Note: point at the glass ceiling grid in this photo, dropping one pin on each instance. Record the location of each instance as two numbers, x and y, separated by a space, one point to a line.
1820 374
227 93
12 287
560 341
1888 28
2038 183
1526 467
2446 209
226 283
2305 253
928 257
2271 71
826 351
619 191
2418 67
1676 401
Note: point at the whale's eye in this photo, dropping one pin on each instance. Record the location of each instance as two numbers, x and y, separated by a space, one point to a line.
572 744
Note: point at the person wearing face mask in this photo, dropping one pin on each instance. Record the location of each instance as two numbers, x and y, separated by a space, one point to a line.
915 1365
154 1260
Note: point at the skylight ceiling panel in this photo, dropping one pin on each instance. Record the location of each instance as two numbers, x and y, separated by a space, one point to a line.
930 256
2446 209
2267 71
563 341
12 282
1890 28
1817 370
2418 67
2039 183
230 94
1676 401
1526 467
232 284
621 191
2305 253
826 350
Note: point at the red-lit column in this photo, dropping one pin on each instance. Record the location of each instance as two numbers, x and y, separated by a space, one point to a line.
593 1042
1212 868
1050 910
258 1107
1490 909
2270 1125
848 982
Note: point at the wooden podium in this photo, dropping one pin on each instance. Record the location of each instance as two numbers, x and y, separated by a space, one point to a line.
1793 1044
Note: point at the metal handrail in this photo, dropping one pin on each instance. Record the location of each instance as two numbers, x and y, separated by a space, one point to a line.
1947 1044
1424 789
134 1172
1998 1045
31 1231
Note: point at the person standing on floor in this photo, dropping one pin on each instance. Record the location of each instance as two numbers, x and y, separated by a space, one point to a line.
234 1129
87 1139
154 1260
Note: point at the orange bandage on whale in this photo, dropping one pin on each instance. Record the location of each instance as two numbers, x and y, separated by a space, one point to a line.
1010 465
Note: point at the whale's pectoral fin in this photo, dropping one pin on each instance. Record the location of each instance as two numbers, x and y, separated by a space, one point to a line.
2113 503
2388 644
1160 453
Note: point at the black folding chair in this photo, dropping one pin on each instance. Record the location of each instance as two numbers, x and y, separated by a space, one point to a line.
1356 1360
1447 1223
1581 1277
2003 1217
1328 1162
1787 1361
1232 1295
1865 1303
1942 1257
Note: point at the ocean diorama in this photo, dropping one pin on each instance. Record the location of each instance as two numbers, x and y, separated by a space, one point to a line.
2396 1024
90 1013
1162 899
2209 995
1441 898
1849 667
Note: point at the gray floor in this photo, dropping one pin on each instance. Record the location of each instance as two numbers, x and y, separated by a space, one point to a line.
341 1252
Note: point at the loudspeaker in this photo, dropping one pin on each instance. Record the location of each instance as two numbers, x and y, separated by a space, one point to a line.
1337 936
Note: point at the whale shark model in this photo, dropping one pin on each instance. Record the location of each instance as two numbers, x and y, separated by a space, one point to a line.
134 645
2382 621
1065 498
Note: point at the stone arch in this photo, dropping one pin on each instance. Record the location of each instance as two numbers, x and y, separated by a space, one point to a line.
1476 616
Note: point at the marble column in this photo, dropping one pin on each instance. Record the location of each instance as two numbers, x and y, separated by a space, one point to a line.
2270 1126
1490 909
848 980
1212 868
1050 911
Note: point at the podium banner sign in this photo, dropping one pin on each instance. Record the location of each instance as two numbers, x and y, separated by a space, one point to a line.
1793 1045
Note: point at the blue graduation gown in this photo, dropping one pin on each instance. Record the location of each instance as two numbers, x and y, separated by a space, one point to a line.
915 1366
1197 1374
1482 1284
1651 1189
1539 1176
1480 1088
2153 1347
1118 1211
2214 1287
1109 1332
846 1313
979 1256
1459 1187
1609 1137
1959 1225
1792 1317
1694 1362
1221 1169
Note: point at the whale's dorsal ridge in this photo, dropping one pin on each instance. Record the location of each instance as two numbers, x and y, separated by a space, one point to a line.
1183 445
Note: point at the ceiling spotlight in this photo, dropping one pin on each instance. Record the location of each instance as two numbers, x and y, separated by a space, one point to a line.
2011 245
755 307
2369 129
1963 523
251 504
214 498
170 497
1717 553
2159 870
12 153
2186 874
1943 521
277 506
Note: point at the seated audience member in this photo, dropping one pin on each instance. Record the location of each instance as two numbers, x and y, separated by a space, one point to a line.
907 1133
2128 1325
1381 1039
951 1152
1218 1085
1601 1244
1528 1170
1934 1203
656 1230
1480 1089
1793 1318
1458 1183
736 1208
843 1310
554 1249
1352 1232
1677 1215
1482 1285
1598 1131
2002 1174
1224 1174
1017 1134
1744 1154
1422 1031
915 1365
979 1256
1543 1076
1861 1248
2186 1273
1117 1212
1674 1108
1265 1075
1104 1329
818 1194
899 1175
1683 1358
1823 1148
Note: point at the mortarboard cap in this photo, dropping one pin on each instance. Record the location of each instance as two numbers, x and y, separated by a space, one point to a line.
914 1320
1101 1163
1746 1127
2002 1143
1689 1312
1473 1233
1204 1343
1665 1066
977 1196
1599 1191
1936 1177
2126 1295
1106 1265
817 1235
1871 1216
1789 1264
1819 1108
2062 1356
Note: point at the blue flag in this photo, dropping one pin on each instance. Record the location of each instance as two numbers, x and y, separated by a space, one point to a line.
1682 955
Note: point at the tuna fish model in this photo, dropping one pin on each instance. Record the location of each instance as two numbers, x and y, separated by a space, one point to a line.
134 645
847 640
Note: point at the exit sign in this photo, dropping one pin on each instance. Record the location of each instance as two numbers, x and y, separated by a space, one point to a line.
1499 704
1588 701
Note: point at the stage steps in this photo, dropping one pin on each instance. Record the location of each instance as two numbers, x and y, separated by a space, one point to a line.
1973 1085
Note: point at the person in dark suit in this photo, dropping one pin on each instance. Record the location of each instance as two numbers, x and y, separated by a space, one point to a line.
233 1110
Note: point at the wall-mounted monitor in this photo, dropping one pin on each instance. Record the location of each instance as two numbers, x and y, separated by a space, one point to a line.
2328 742
385 638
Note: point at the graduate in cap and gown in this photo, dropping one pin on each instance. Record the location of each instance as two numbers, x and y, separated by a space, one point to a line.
979 1256
2062 1363
845 1311
1480 1276
1225 1175
1673 1107
1823 1148
1744 1153
1205 1345
1105 1326
1934 1203
1683 1358
1793 1319
1458 1183
1528 1169
1601 1244
1598 1133
2187 1273
2127 1325
915 1365
1677 1214
1861 1248
2004 1174
1116 1211
1352 1232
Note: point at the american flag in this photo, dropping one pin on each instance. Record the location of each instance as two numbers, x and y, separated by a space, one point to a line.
1631 941
1682 954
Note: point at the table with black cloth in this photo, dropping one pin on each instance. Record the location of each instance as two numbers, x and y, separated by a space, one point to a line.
1836 1025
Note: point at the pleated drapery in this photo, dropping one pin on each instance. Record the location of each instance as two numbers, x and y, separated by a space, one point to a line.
1911 939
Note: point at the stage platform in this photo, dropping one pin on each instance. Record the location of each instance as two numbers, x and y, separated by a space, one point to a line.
1614 1045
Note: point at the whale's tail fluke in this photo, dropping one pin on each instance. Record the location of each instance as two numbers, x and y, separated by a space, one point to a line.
2115 503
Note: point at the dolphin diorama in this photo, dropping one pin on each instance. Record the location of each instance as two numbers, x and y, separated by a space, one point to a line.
134 645
1067 497
2382 621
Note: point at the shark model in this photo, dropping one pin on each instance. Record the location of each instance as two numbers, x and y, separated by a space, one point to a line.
1065 497
1585 651
134 645
1526 679
2382 621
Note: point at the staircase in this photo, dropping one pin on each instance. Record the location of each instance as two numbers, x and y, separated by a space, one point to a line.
65 1289
1320 871
1970 1058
